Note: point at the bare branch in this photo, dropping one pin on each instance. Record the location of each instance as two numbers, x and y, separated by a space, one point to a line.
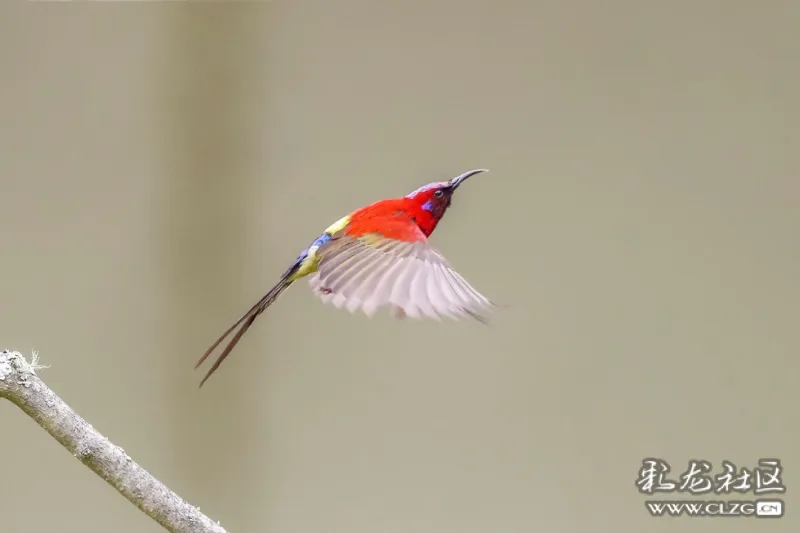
20 384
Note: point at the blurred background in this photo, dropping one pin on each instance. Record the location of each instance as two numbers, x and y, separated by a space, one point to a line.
162 163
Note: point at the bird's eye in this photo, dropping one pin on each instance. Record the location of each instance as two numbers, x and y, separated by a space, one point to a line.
438 193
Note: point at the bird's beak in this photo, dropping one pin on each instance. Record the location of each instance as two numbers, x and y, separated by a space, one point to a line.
455 182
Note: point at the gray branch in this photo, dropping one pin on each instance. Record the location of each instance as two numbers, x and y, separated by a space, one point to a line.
20 384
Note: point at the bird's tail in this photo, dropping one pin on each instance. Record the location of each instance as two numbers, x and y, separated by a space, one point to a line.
245 322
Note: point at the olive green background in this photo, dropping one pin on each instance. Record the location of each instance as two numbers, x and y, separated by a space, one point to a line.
162 163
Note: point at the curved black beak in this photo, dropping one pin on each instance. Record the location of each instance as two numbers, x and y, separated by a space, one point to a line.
458 180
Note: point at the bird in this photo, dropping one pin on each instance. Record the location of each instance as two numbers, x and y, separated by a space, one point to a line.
378 256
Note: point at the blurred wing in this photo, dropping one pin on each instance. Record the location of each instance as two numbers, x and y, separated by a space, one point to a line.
373 271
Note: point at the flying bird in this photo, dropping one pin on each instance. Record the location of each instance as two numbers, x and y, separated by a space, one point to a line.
378 256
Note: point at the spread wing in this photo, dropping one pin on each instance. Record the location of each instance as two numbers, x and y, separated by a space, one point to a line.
372 271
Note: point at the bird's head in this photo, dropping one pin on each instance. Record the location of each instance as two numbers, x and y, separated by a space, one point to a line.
436 197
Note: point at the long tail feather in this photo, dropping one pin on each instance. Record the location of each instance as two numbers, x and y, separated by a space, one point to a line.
245 321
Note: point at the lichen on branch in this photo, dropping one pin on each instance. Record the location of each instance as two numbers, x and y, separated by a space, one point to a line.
20 384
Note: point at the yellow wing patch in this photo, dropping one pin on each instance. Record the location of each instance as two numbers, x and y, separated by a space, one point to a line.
310 261
338 225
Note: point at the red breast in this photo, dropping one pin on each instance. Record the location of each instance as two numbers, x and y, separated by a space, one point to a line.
402 219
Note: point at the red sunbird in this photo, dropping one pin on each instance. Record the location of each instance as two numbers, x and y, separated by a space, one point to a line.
379 256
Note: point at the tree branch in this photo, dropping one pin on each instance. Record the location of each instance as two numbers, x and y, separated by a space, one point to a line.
20 384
